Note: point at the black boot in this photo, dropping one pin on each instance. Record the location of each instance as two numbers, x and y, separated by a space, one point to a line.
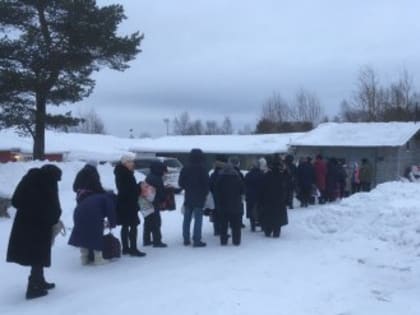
124 240
160 245
136 253
35 289
48 285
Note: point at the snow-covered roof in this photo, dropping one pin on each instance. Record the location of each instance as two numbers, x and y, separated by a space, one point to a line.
390 134
78 146
227 144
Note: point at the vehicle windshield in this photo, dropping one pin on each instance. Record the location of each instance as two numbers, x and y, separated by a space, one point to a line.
172 163
142 163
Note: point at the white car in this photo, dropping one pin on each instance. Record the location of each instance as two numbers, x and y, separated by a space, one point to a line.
173 165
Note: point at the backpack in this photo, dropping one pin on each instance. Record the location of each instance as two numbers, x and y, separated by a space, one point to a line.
112 247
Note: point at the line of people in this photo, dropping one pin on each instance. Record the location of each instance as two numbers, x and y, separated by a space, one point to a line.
267 189
326 181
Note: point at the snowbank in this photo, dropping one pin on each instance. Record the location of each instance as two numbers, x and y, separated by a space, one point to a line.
390 213
351 257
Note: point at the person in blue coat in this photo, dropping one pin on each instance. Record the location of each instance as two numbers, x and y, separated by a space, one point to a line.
89 216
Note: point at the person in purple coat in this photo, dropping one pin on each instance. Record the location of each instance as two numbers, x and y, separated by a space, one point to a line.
89 216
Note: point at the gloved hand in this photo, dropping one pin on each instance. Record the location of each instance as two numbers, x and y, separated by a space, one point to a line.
58 228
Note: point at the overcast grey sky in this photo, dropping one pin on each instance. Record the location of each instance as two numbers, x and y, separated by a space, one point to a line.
218 57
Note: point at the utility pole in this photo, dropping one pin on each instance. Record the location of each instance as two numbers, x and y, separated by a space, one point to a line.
166 121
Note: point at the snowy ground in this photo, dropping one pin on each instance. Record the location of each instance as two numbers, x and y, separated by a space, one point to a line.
358 256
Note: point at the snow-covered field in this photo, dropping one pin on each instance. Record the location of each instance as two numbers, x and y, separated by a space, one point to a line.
357 256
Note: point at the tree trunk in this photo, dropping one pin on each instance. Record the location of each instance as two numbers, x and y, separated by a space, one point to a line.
39 139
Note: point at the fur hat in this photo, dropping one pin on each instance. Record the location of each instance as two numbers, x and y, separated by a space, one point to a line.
263 164
128 157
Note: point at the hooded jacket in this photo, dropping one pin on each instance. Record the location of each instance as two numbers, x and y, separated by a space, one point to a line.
195 180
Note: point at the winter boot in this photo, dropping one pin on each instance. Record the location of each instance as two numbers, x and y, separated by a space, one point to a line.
35 289
47 285
98 258
199 244
84 256
160 245
136 253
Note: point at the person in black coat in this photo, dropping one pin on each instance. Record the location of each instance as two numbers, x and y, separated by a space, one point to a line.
306 181
253 186
38 211
194 179
127 206
292 179
219 164
152 234
87 181
273 199
236 163
229 190
332 179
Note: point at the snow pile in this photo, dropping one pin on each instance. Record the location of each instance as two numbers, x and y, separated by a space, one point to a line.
390 213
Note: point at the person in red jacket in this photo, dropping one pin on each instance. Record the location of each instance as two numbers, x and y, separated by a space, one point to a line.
320 176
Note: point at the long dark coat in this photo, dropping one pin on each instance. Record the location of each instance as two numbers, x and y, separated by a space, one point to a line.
273 197
128 193
38 209
253 186
305 176
229 190
88 220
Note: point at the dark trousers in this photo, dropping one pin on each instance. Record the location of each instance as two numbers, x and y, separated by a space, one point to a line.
290 195
216 222
365 186
305 195
252 213
151 231
323 197
355 188
129 237
234 221
272 225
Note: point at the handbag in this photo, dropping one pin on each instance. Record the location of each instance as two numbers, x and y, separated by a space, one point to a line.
169 203
112 246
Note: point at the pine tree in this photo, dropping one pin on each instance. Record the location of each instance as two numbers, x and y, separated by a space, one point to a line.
48 52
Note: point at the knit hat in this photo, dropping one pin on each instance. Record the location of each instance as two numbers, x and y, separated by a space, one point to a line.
92 163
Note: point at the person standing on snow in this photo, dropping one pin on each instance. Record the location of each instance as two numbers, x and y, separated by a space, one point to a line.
194 179
253 186
88 230
365 175
229 190
38 214
219 164
273 199
152 234
320 168
127 206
